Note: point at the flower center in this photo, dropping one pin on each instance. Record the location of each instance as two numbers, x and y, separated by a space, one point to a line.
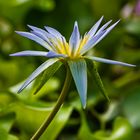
63 47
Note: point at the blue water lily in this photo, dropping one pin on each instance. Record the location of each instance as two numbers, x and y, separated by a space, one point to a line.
71 52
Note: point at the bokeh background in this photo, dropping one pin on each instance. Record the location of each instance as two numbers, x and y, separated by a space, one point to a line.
21 114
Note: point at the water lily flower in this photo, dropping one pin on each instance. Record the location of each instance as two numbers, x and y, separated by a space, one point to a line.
72 52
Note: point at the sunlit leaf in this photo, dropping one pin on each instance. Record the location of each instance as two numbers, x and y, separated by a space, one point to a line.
57 124
122 130
30 116
12 137
84 131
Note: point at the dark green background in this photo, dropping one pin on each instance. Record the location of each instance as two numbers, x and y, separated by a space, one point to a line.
21 114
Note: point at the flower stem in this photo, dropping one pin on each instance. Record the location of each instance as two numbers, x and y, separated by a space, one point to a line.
56 108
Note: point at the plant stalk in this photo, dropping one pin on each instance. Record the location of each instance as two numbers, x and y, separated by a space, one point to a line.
56 108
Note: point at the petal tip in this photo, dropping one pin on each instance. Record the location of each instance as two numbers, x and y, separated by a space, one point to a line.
76 23
17 32
30 26
84 106
19 91
11 54
102 17
131 65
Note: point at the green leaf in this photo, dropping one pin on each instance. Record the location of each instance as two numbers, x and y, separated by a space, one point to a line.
29 117
122 129
79 72
84 131
6 121
12 137
94 71
40 81
131 106
57 123
3 134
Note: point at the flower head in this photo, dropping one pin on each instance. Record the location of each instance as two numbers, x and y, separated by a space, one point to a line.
72 52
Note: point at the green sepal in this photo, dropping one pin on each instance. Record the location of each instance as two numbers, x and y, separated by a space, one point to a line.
45 76
93 70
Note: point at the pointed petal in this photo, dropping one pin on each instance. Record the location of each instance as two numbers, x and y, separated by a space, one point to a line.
103 27
49 72
103 60
54 32
91 43
34 38
75 38
107 31
95 27
41 33
97 38
38 71
79 72
39 30
51 39
30 53
94 72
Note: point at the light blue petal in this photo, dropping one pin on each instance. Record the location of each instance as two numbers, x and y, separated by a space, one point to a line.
53 55
47 40
38 71
51 39
30 53
42 34
95 27
97 38
34 38
91 43
54 32
104 27
79 72
103 60
107 31
39 30
75 38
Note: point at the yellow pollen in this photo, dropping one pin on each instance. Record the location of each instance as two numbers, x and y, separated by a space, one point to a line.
67 48
62 50
64 47
82 43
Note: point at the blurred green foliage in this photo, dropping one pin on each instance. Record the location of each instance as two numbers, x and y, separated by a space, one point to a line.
21 115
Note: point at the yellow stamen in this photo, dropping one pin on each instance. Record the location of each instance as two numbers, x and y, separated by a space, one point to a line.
61 47
82 43
67 48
